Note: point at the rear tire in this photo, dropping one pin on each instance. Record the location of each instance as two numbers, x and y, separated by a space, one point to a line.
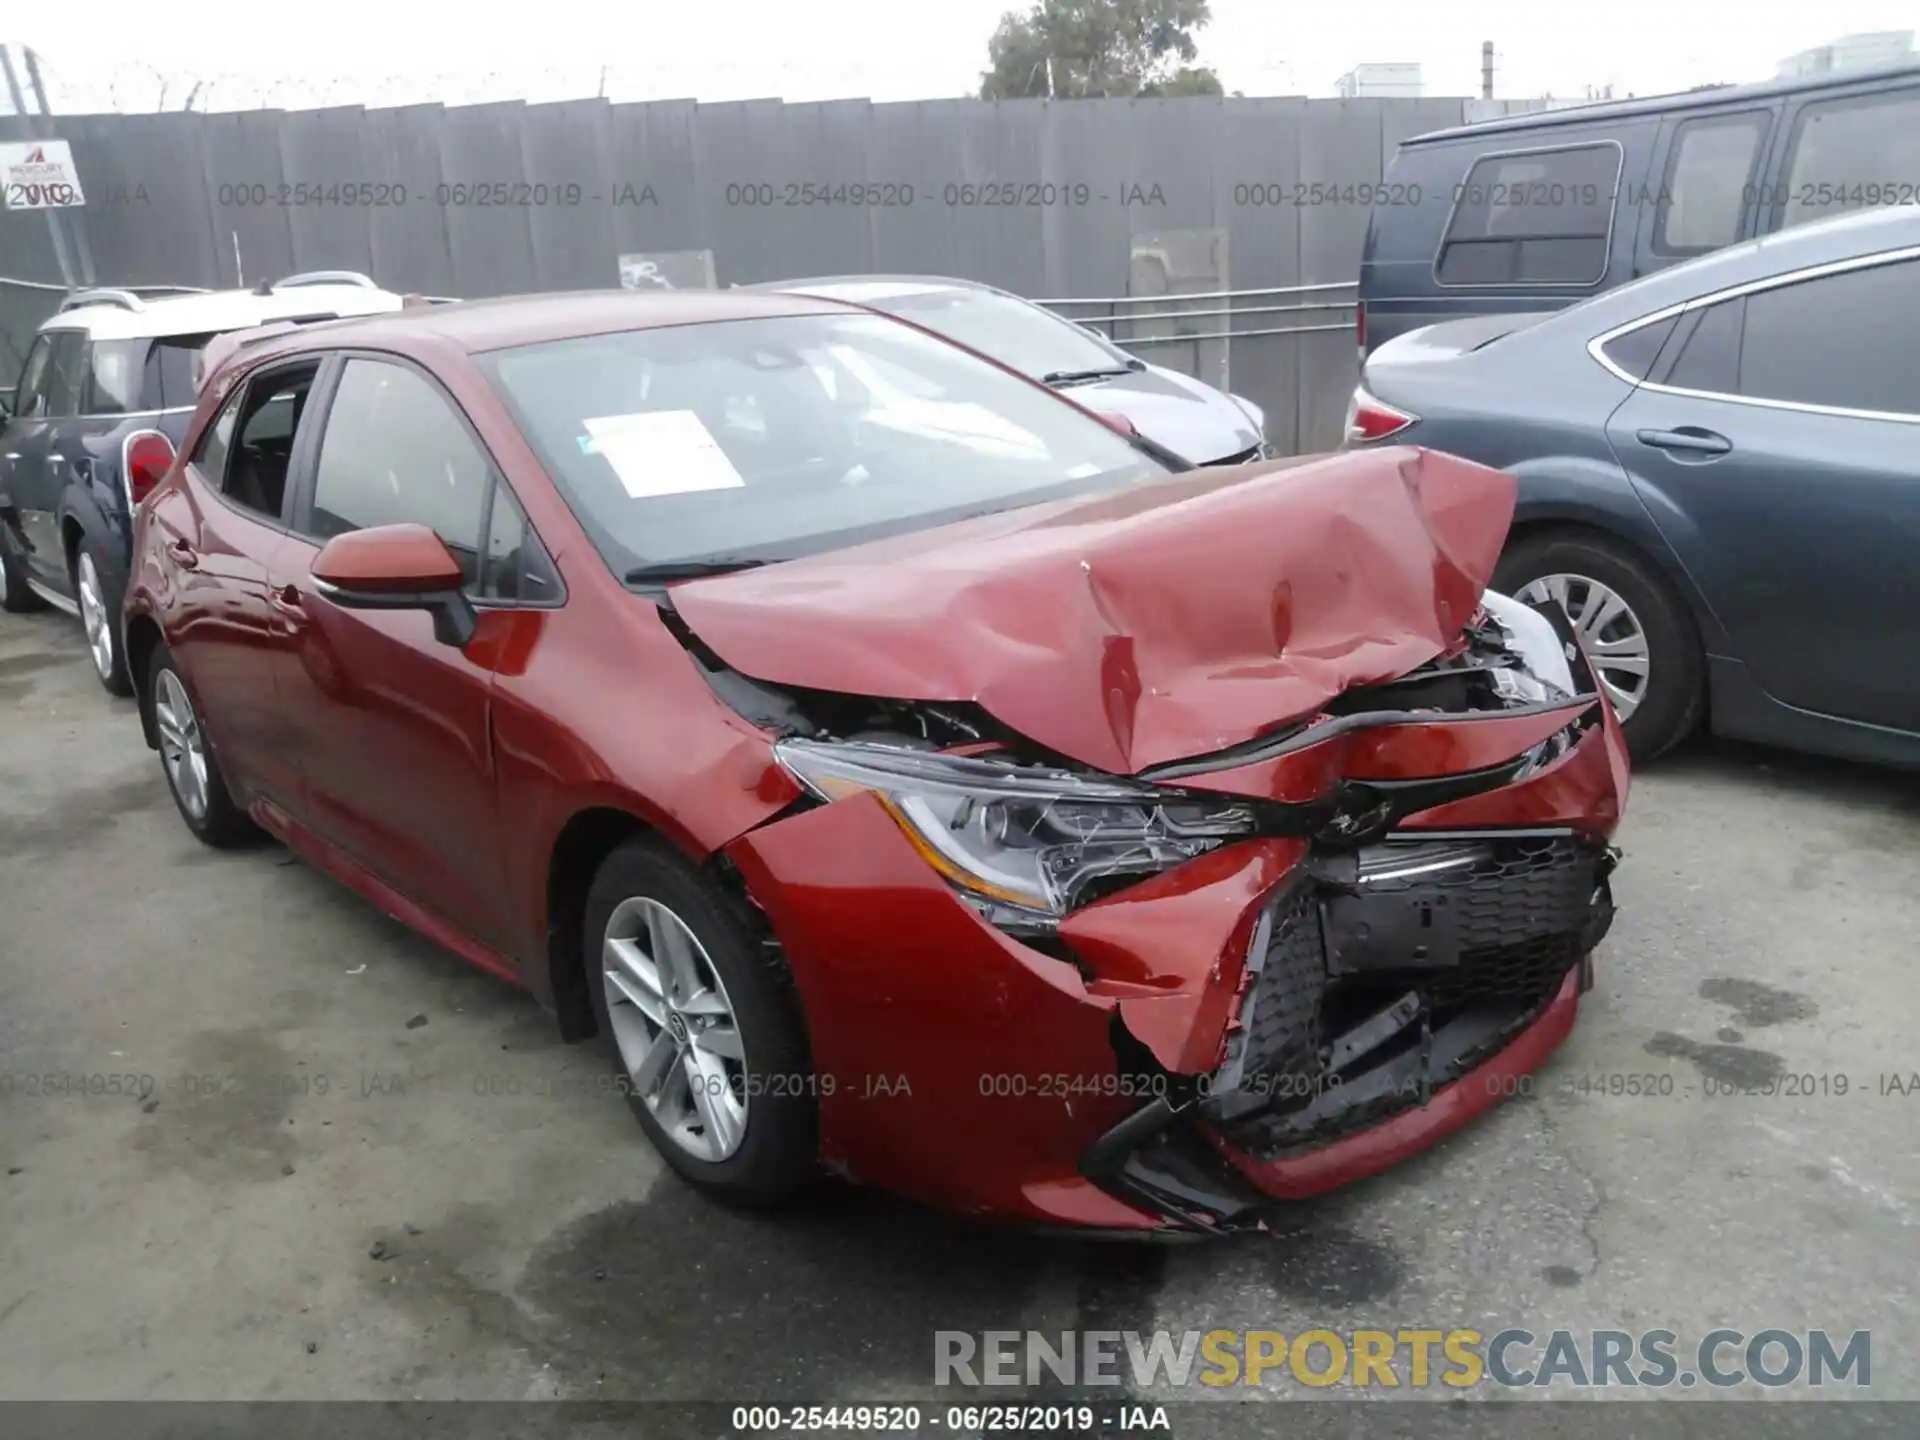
15 597
1672 686
100 617
684 1042
187 760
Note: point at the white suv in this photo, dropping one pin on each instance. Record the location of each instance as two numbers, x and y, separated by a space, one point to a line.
103 399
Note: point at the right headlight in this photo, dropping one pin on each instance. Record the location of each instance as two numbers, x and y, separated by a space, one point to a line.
1531 636
1023 843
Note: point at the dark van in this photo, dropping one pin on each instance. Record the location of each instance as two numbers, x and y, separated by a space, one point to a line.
1533 212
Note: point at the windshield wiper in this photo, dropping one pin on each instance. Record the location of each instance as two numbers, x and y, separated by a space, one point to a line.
667 571
1081 377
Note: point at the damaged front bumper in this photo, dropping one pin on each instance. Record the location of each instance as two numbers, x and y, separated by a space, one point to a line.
1390 996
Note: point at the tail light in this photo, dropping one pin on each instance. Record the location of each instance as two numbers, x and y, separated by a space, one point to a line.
145 459
1370 418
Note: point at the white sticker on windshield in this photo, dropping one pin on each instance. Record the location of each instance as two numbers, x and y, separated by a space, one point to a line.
661 452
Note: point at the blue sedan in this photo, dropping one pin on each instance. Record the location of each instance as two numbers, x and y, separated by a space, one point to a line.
1719 479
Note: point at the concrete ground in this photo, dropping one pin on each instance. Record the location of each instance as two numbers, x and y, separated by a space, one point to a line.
366 1170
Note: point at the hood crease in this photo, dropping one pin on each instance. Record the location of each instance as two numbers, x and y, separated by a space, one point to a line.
1134 628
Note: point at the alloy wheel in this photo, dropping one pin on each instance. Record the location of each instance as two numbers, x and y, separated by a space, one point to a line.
1614 638
183 749
675 1028
94 616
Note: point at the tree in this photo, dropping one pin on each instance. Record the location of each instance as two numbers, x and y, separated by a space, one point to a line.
1187 80
1075 48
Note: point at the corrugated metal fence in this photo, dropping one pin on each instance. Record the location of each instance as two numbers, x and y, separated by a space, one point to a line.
1260 204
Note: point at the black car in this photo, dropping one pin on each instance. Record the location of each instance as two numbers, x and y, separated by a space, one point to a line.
103 398
1719 479
1537 211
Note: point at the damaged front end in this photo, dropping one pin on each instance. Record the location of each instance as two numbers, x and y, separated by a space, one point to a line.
1165 1001
1235 840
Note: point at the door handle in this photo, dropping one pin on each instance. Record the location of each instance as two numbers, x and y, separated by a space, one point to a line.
183 555
1689 438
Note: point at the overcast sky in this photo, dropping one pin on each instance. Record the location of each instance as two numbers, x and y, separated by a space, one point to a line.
109 54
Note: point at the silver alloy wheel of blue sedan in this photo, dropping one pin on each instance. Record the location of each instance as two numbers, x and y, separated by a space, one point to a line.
1614 638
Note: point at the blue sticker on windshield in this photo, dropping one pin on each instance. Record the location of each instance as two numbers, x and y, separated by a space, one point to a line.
586 444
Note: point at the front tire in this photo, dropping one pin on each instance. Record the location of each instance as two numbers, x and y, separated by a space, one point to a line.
100 616
187 759
701 1024
1638 633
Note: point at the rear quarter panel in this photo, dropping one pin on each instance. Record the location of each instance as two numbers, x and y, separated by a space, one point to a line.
1536 405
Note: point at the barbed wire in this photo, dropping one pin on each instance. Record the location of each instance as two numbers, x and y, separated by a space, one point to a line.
142 88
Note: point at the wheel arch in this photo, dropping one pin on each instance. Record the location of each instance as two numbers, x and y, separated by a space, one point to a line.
584 842
142 639
1616 517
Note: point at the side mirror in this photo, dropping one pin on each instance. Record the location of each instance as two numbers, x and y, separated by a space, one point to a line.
1118 423
398 567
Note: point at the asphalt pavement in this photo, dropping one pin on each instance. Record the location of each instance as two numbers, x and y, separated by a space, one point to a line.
290 1151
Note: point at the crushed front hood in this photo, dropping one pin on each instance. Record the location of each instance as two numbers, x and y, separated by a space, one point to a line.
1137 627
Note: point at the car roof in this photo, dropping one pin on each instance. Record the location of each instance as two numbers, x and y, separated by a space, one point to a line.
1714 95
127 315
477 326
869 289
1853 236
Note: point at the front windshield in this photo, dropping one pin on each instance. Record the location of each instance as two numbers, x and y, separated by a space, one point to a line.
765 439
1029 339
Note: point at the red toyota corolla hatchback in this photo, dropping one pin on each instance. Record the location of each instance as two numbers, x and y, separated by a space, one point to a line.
904 772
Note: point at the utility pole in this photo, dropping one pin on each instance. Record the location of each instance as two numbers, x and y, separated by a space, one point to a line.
1486 69
1050 75
79 229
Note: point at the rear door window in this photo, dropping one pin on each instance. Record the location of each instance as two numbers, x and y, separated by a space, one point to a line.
1853 153
114 379
134 376
260 442
66 373
1538 217
1709 182
1851 341
168 379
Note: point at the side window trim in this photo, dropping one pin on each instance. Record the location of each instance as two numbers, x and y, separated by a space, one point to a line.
1760 118
42 346
1596 347
306 446
1613 218
530 544
306 464
237 399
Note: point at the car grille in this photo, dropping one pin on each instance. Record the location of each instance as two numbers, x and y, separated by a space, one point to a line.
1445 948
